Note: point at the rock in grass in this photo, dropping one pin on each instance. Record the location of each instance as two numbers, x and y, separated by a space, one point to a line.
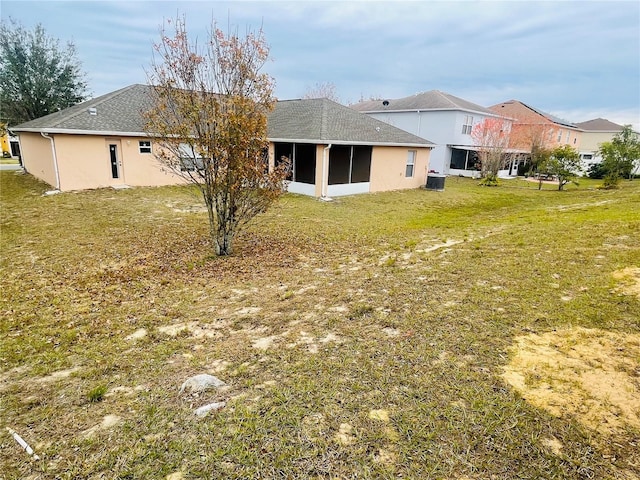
211 407
200 383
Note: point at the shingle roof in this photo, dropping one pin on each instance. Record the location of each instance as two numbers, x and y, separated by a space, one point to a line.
431 100
599 125
312 120
116 112
323 121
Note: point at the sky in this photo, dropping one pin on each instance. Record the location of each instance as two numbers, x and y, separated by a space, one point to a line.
578 60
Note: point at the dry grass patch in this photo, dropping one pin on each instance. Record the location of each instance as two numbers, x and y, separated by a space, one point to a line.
630 279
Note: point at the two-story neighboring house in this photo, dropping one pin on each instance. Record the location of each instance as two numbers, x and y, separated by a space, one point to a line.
534 128
594 133
444 119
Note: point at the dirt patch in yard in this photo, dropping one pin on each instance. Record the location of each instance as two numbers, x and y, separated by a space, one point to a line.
591 375
630 279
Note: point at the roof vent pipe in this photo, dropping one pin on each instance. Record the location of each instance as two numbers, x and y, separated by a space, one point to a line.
92 111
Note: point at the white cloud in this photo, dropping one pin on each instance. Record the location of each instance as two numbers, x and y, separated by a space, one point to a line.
570 56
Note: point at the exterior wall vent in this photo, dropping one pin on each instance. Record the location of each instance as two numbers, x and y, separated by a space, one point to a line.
92 111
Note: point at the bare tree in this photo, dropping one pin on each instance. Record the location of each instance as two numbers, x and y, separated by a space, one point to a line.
323 90
491 137
534 136
209 117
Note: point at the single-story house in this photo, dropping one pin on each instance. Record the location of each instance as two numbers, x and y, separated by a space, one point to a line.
333 149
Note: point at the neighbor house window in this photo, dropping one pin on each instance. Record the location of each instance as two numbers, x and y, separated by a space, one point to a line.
411 163
568 137
467 126
145 146
559 135
464 159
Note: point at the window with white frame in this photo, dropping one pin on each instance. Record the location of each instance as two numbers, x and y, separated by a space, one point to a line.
568 137
559 135
190 160
144 146
467 126
411 163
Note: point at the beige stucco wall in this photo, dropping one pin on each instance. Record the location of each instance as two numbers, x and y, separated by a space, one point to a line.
591 140
568 136
388 167
37 157
320 163
84 162
144 169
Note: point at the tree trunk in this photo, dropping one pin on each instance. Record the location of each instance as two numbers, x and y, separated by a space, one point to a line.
561 183
225 225
221 227
224 243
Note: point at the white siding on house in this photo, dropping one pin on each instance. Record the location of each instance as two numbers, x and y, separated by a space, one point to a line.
442 127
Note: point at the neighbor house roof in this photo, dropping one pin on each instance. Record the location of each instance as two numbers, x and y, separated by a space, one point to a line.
313 120
323 121
431 100
516 109
599 125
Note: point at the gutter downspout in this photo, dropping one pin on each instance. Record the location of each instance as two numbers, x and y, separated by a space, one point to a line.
55 159
325 170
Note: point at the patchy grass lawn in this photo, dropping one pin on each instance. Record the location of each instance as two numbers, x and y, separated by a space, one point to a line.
457 335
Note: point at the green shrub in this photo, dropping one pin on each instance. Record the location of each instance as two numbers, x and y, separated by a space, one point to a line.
596 170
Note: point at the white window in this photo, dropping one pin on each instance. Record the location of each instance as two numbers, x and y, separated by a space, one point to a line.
467 126
559 135
568 137
145 146
190 160
411 163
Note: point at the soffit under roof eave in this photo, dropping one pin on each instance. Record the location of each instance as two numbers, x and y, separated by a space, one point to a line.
142 134
599 131
449 109
473 148
351 142
69 131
